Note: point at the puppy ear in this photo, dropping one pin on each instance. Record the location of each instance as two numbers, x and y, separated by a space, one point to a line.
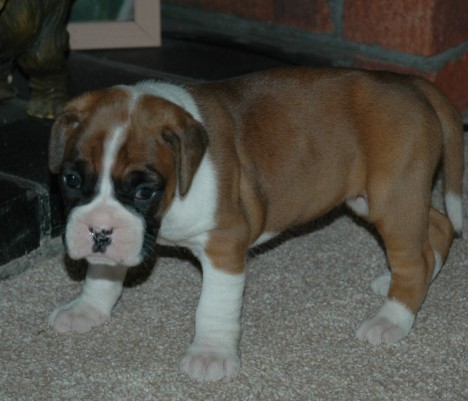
189 145
62 130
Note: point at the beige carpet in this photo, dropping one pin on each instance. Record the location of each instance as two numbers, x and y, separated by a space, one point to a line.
303 300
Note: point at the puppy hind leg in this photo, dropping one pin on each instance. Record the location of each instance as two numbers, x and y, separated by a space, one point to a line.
360 206
441 234
404 230
381 284
408 288
440 237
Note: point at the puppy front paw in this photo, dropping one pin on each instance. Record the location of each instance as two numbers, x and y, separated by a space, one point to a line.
389 325
78 316
210 363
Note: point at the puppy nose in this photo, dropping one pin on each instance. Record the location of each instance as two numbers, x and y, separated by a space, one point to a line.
101 237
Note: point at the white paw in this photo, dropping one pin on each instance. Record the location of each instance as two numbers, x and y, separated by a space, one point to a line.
389 325
209 364
77 316
381 284
380 330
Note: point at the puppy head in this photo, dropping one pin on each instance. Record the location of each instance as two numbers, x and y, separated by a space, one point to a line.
121 158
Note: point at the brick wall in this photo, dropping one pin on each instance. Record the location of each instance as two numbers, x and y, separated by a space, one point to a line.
303 14
425 37
420 27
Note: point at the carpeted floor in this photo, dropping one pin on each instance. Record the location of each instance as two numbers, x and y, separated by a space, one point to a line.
303 300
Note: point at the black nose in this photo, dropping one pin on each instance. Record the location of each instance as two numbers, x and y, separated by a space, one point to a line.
101 237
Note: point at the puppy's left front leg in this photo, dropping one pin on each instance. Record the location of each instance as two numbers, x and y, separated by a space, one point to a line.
213 353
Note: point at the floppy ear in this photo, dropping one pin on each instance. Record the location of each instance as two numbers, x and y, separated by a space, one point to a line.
62 129
189 145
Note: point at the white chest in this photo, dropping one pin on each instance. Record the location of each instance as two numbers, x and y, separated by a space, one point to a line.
189 219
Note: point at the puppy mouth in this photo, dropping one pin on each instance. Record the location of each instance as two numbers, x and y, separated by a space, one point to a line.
101 260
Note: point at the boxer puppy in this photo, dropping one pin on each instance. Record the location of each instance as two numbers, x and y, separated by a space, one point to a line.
220 167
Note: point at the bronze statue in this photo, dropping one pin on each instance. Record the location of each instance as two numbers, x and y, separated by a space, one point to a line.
33 36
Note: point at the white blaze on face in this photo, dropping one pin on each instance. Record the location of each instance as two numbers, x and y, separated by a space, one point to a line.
104 212
111 149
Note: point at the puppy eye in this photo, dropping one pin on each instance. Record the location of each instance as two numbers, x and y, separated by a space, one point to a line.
145 193
72 180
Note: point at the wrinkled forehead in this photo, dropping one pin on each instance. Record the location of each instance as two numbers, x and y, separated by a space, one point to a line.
102 117
120 129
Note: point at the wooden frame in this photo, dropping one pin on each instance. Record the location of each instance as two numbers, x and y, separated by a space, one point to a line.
144 31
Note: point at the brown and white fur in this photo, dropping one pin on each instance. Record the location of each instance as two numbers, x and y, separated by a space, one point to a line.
220 167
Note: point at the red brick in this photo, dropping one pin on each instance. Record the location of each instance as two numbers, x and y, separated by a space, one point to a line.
260 10
311 15
424 27
303 14
450 24
221 6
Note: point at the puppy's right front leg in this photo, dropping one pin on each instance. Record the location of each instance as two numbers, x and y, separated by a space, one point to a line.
101 290
213 354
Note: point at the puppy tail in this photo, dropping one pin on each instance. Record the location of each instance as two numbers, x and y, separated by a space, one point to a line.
453 155
453 152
